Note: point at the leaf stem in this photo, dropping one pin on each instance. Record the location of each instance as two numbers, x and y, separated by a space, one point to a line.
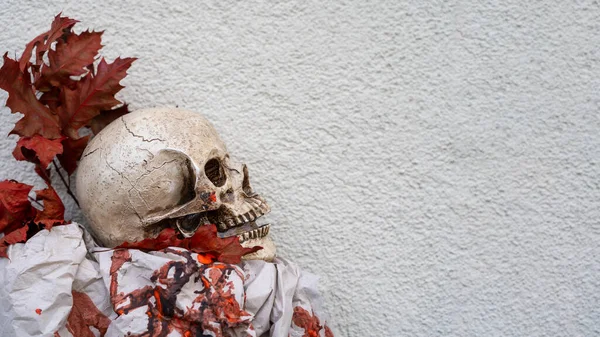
35 201
67 185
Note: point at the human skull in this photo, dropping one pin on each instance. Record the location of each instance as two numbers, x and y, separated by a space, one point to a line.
164 167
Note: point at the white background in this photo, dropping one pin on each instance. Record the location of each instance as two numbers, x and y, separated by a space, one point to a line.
437 163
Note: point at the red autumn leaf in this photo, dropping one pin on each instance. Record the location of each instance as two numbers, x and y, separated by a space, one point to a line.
44 174
37 119
205 240
92 95
70 58
42 42
229 250
54 210
51 98
106 117
309 322
15 208
16 236
38 149
64 103
166 238
84 314
73 149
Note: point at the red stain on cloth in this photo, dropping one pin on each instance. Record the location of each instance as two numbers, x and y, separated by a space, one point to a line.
309 322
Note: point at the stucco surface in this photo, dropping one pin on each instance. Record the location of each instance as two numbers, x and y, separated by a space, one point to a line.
437 163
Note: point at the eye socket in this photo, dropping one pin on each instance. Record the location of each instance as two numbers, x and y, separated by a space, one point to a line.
214 172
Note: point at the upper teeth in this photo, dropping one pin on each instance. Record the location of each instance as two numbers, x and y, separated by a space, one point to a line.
255 233
244 218
241 225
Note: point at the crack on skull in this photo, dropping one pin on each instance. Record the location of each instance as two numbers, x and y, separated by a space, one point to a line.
138 136
148 172
132 187
139 194
93 151
149 153
118 172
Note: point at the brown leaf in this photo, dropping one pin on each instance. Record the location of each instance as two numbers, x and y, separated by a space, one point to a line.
42 42
73 149
51 98
38 150
54 210
228 250
16 236
44 174
37 119
205 240
15 208
92 95
309 322
84 314
106 117
166 238
70 59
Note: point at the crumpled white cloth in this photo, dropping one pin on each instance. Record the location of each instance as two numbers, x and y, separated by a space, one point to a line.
53 285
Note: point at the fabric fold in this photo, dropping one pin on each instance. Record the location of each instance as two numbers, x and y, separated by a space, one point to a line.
59 283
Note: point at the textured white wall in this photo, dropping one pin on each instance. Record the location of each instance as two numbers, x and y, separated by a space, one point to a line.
438 164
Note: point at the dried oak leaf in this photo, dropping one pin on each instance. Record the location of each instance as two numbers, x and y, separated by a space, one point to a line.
44 174
72 151
227 250
84 314
51 98
205 240
38 150
91 95
106 117
70 58
309 322
54 210
16 236
37 119
60 26
15 208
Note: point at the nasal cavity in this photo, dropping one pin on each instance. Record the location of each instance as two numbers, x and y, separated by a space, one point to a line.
246 183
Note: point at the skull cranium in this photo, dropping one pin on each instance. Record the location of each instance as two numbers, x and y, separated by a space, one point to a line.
156 168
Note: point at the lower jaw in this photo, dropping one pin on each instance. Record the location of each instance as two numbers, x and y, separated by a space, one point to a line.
267 253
